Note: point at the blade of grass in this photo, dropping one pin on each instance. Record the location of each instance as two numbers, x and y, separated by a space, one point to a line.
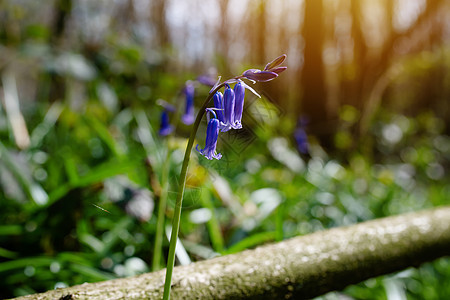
12 108
91 273
76 257
147 137
23 262
112 237
108 169
200 250
105 136
157 252
11 230
252 241
41 130
8 254
213 226
71 169
279 222
32 189
92 242
180 251
155 156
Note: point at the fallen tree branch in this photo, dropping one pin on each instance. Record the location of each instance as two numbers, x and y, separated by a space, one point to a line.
299 268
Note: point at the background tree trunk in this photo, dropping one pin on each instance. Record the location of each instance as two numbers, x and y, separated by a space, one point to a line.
377 80
158 18
313 104
298 268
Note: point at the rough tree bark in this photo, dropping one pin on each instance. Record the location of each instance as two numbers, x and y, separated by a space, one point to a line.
299 268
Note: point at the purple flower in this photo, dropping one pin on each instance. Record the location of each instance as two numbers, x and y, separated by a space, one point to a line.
212 133
278 70
301 137
258 75
218 103
206 80
239 94
270 72
228 105
188 117
165 128
272 66
302 140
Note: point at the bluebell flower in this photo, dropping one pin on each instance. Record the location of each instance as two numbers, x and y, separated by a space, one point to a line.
301 137
228 106
273 66
218 103
270 72
258 75
206 80
212 133
188 116
165 127
239 94
278 70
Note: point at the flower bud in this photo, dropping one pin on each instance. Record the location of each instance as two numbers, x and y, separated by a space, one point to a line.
278 70
258 75
276 62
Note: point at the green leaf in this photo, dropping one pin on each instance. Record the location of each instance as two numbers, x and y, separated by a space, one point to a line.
11 230
24 262
8 254
252 241
91 273
95 175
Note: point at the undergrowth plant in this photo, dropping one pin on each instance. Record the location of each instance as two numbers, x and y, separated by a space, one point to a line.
226 115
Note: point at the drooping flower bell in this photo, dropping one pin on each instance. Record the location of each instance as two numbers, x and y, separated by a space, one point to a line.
301 136
165 127
188 116
228 106
218 103
239 94
212 133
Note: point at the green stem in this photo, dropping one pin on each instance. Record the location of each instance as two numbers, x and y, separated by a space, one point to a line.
179 201
161 213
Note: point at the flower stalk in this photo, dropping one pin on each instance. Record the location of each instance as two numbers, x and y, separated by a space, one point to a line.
226 111
179 200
